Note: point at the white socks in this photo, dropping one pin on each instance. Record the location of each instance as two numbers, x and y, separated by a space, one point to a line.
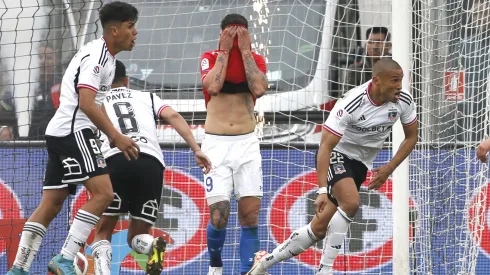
299 241
141 244
30 241
102 252
336 232
83 223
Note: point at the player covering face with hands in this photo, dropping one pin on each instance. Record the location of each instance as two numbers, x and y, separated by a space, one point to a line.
73 153
233 78
137 184
352 137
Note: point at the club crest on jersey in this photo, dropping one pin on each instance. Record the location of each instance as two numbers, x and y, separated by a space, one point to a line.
101 162
339 169
96 69
392 115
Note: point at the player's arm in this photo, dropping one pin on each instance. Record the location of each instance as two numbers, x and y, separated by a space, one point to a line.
214 78
88 83
409 121
255 69
178 122
406 147
96 114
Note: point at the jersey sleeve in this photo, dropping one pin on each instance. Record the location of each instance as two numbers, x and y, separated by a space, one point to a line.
409 112
338 120
207 63
158 105
90 73
260 62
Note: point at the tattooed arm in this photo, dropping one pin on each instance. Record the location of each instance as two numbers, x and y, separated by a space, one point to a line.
256 79
215 78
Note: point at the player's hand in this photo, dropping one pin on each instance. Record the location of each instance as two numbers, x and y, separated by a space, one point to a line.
226 38
382 174
127 146
244 41
202 161
320 203
482 150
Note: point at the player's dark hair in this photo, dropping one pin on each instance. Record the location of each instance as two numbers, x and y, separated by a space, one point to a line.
120 72
234 19
377 30
117 11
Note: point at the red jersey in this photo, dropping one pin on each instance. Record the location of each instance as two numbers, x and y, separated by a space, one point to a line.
235 72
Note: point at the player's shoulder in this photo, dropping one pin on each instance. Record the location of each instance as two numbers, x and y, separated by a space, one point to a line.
354 98
406 97
210 54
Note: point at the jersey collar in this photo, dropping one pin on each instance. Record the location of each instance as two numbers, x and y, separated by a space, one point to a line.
368 91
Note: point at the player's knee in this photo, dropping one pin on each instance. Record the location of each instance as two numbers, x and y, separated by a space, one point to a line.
103 198
249 217
350 206
220 211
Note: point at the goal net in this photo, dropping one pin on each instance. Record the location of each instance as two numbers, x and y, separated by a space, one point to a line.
316 50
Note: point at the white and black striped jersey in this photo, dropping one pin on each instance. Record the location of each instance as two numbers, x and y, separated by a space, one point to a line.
93 68
134 114
363 125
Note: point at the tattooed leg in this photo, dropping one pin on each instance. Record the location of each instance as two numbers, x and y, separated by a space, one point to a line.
219 214
216 231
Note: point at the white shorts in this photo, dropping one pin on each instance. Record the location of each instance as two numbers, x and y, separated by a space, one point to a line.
237 165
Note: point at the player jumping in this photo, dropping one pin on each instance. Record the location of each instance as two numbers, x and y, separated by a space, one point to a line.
73 153
233 77
353 135
137 185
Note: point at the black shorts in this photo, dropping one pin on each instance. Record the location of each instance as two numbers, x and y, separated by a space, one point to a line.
73 159
137 186
341 167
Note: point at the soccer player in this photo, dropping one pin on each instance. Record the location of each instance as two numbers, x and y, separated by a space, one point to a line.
233 77
137 185
353 135
73 153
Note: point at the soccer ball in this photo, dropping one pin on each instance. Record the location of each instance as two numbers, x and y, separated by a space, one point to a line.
81 264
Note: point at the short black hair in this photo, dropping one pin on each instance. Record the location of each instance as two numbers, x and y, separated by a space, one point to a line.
117 11
382 30
234 19
120 72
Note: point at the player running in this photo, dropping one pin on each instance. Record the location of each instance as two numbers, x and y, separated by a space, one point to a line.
73 153
353 135
137 185
233 77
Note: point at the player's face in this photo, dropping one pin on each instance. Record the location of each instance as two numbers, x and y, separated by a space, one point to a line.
392 86
127 35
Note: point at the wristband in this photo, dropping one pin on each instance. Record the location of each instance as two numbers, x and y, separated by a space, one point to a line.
322 190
